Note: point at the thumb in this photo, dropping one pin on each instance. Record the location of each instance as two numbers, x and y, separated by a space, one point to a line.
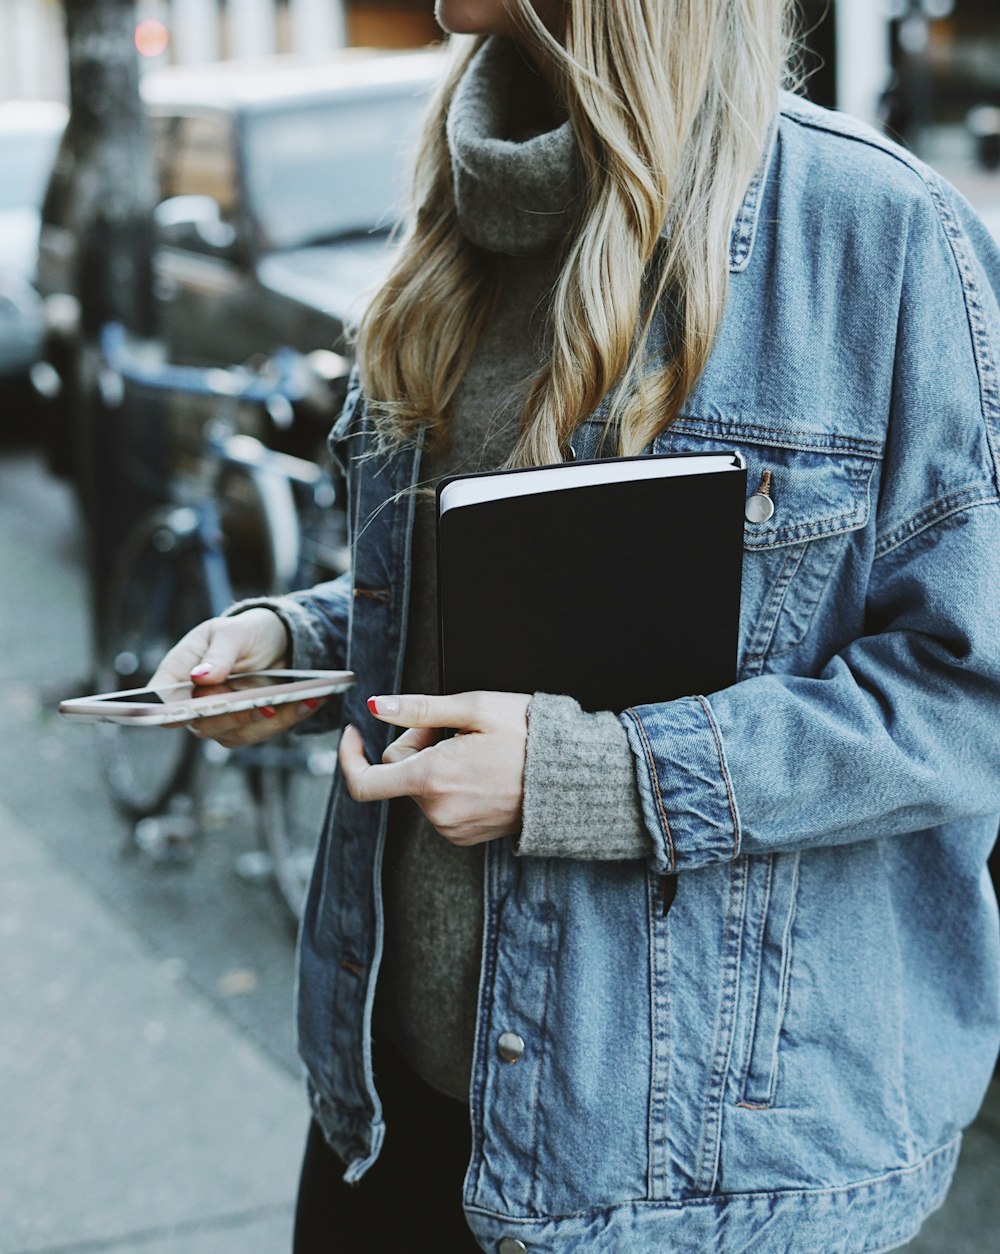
221 652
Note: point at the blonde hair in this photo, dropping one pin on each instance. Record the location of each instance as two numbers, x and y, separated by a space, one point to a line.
670 102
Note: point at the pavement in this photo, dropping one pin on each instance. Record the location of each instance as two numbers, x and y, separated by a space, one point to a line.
150 1099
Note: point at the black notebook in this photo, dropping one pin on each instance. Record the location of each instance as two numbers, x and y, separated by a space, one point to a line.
616 582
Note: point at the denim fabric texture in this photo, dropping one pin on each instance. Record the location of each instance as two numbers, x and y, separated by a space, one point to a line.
785 1060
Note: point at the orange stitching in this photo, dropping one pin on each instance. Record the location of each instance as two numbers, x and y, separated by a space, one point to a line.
725 775
656 788
751 1106
355 968
376 594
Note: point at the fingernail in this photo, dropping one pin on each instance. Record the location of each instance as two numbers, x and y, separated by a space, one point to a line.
204 669
383 705
267 711
312 703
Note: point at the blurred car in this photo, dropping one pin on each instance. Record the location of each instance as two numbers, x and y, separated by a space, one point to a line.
29 136
279 183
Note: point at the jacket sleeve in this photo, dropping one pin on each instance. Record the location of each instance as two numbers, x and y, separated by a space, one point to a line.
316 622
900 730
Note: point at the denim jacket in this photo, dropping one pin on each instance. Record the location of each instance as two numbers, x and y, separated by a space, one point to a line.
784 1061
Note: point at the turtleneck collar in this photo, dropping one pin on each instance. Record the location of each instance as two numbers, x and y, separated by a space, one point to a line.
514 196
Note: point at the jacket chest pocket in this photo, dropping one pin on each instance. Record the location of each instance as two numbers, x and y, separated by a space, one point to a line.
793 540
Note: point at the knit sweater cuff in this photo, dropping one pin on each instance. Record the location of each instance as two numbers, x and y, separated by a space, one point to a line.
580 794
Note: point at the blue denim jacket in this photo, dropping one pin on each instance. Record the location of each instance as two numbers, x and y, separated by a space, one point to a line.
785 1060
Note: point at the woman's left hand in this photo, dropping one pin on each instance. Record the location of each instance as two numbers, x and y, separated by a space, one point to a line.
470 785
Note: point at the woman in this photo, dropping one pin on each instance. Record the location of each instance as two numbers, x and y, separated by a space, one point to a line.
718 973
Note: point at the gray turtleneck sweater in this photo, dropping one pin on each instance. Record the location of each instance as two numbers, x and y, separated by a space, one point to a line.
515 199
514 193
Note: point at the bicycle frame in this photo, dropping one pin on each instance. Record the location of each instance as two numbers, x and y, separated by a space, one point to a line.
177 559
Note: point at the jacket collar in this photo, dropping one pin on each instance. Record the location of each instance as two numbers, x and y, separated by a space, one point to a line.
744 231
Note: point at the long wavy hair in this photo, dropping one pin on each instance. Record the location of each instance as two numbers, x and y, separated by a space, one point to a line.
671 103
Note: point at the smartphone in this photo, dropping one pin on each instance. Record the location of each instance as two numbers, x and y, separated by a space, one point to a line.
182 703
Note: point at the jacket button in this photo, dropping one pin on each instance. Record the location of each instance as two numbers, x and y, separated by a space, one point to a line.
759 508
510 1047
511 1245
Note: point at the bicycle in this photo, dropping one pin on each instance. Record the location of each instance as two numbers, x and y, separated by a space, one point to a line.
240 519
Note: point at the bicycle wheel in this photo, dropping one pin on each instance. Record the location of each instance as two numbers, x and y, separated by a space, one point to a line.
157 593
293 800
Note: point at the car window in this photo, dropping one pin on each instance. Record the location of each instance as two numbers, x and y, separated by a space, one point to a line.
195 157
329 170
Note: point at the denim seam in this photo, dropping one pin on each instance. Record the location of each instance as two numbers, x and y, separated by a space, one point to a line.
754 1008
484 1017
932 514
989 391
651 766
710 1147
641 1204
787 646
784 981
780 437
657 1173
744 232
898 155
758 649
724 772
536 1104
820 528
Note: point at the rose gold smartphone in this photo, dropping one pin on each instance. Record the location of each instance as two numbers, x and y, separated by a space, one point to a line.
182 703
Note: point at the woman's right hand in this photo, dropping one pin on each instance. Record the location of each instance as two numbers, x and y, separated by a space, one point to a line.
255 640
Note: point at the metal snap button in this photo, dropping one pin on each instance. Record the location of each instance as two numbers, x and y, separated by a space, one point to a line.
511 1245
760 507
510 1047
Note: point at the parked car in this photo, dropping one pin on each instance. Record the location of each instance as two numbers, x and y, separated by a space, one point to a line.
29 136
279 184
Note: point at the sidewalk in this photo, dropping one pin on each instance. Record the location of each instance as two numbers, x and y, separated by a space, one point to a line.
136 1116
149 1094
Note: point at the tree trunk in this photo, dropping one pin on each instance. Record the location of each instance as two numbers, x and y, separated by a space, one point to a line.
114 192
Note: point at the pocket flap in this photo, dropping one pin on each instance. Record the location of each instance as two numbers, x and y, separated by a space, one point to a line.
816 492
814 495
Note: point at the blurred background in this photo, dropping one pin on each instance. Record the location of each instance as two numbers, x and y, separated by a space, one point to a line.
195 197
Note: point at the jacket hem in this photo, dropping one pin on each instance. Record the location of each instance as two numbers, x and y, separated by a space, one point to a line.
352 1134
866 1217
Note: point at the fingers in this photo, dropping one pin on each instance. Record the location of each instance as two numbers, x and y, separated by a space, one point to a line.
250 727
253 640
176 665
411 742
464 711
366 782
225 644
206 654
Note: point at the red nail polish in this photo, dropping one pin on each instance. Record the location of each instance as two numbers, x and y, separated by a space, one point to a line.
312 703
373 708
267 711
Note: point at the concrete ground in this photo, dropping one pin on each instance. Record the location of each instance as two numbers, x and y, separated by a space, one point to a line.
150 1100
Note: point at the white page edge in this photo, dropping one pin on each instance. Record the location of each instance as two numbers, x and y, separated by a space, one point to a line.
502 486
